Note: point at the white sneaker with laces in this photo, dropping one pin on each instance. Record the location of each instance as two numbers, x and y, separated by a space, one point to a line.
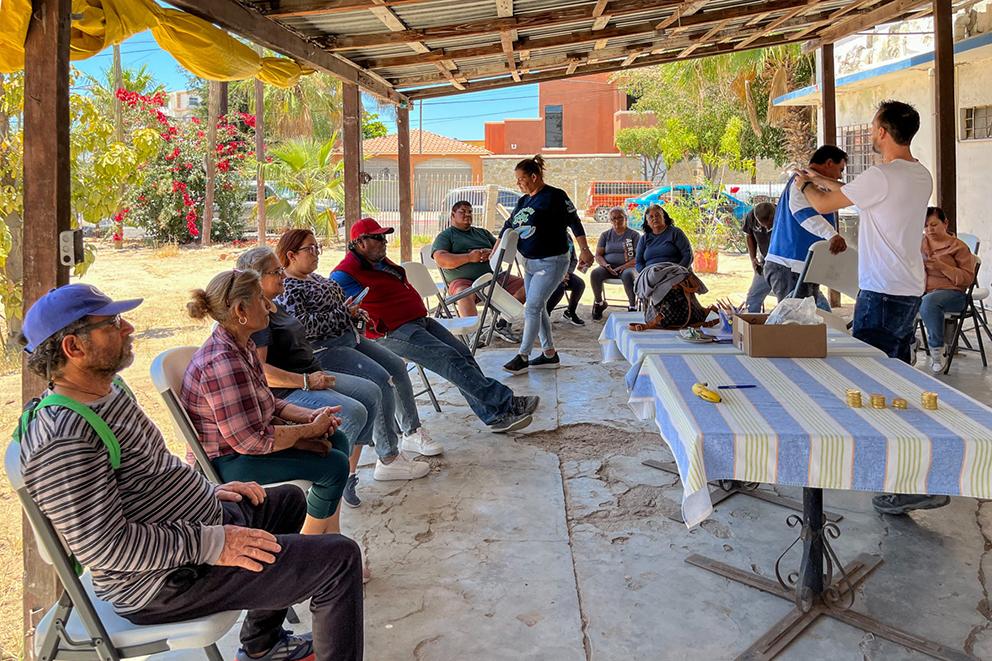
421 443
936 359
401 468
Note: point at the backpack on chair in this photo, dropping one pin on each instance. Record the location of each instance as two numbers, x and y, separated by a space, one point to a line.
667 293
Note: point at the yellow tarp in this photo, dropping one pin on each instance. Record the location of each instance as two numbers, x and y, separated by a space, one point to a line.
197 45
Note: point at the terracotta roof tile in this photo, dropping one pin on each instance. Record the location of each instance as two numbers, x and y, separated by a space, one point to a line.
433 144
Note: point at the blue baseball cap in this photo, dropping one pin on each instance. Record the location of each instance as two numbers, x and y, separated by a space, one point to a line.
65 305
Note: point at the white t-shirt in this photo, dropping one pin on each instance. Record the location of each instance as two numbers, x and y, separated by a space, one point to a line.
892 203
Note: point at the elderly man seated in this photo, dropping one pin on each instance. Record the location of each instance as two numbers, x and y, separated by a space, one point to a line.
462 253
163 544
398 321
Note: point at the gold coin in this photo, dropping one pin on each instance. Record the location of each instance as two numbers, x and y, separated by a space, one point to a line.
877 401
899 403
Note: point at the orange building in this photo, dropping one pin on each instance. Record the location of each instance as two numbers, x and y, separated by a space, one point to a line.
578 116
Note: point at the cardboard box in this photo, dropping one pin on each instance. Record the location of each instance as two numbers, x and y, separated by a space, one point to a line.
756 339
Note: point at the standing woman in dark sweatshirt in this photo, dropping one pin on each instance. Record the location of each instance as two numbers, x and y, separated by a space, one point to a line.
662 241
542 217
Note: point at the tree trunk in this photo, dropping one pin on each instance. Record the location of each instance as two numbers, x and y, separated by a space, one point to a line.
213 109
118 127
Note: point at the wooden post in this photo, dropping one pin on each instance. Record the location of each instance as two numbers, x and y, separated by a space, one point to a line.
406 190
118 123
213 111
222 106
46 213
260 156
352 147
945 117
828 92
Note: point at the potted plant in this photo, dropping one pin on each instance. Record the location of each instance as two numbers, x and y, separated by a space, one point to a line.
702 220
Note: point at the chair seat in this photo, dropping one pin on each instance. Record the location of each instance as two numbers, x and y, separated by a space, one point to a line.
304 485
979 293
613 281
460 325
189 634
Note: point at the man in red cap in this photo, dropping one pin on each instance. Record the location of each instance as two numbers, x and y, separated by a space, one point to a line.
399 321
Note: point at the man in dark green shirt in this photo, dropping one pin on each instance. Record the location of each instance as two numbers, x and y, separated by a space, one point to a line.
462 253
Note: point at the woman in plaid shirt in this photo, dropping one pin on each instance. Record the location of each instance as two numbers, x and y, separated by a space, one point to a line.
245 430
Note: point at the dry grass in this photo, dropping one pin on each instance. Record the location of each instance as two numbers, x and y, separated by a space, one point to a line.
164 277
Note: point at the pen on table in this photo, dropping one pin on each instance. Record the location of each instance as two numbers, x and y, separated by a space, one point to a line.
736 386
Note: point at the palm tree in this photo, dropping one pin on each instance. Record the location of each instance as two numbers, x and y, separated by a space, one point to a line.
308 185
311 108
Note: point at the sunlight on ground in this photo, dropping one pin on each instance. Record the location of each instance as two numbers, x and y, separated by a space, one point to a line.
164 277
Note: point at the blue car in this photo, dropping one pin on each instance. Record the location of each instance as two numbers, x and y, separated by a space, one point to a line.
636 206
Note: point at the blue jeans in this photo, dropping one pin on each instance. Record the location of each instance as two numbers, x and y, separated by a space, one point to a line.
932 310
758 292
886 322
356 423
427 343
782 282
541 278
397 409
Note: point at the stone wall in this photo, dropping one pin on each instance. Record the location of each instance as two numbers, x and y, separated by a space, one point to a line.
572 172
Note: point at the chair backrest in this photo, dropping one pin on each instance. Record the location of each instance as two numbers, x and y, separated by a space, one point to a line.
420 278
505 251
838 272
167 373
834 321
970 240
427 256
502 301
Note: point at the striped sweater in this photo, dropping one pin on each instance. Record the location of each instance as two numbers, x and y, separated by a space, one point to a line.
131 527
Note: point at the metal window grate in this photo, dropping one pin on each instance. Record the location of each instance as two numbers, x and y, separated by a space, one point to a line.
976 123
553 129
856 141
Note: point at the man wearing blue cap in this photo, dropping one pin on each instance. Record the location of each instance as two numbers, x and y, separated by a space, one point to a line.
162 543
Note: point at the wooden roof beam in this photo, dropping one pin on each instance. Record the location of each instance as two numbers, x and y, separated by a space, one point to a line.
601 19
294 8
771 27
683 10
702 41
885 13
448 73
260 30
846 9
504 8
388 18
506 40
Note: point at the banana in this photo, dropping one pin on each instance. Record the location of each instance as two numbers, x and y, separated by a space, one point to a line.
701 391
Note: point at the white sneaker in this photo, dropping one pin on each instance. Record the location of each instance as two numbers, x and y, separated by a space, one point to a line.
400 468
421 443
936 359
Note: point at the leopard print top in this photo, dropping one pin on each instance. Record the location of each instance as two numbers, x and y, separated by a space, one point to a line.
318 303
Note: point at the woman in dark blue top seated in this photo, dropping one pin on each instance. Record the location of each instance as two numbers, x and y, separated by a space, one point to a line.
662 241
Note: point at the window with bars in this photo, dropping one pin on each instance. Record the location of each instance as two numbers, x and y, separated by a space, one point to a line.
976 123
553 132
856 141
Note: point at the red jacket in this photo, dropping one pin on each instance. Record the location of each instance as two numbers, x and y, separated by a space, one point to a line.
391 301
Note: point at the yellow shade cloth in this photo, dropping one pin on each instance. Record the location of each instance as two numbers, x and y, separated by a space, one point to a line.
198 46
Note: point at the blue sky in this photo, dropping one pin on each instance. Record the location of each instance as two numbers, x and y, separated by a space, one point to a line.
462 116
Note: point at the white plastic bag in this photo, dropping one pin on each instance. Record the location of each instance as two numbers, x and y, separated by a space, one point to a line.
800 311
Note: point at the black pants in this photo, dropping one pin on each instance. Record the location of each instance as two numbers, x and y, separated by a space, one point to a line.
575 286
599 275
327 569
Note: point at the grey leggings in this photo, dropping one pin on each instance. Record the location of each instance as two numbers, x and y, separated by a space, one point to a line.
599 275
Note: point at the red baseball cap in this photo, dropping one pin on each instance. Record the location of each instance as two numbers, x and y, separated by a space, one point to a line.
368 226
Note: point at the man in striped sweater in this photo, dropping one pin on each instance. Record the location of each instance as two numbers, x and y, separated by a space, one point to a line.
163 544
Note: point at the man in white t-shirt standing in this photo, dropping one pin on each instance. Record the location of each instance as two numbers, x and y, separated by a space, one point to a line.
892 200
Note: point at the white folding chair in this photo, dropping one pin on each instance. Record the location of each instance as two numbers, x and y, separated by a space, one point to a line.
972 241
81 625
838 272
420 279
427 259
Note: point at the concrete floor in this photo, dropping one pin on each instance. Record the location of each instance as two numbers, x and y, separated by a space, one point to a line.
554 544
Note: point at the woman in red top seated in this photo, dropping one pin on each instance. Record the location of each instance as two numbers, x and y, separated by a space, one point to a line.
247 432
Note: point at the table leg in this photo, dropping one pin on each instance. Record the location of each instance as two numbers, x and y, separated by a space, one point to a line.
814 590
720 494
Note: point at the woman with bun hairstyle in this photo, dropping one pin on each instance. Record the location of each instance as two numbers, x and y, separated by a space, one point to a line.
542 218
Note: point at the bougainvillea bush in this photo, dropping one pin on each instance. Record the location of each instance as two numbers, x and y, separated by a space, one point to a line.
168 203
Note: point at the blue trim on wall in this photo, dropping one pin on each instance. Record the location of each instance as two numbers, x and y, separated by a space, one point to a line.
892 67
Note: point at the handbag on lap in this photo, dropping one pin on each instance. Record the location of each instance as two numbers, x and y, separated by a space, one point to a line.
667 294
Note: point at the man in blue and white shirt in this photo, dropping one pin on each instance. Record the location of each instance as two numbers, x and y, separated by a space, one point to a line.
798 226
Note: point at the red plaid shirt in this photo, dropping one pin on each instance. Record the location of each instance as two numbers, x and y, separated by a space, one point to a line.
227 398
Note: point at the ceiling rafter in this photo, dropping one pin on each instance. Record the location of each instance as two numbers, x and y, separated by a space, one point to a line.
704 39
295 8
393 22
882 14
683 10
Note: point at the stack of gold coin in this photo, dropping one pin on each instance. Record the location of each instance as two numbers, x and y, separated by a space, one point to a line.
877 400
929 400
899 403
854 398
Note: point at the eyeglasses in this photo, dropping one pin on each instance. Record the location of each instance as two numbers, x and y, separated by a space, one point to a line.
313 249
278 272
375 237
116 321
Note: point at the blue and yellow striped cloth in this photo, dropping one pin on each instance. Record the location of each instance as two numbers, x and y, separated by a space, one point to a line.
618 341
796 428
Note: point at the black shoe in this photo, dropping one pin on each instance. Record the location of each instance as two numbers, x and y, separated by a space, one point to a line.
597 311
525 405
506 333
511 422
897 503
572 318
631 308
351 498
518 365
546 362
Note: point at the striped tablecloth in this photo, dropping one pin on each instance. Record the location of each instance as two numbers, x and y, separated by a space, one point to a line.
618 341
796 429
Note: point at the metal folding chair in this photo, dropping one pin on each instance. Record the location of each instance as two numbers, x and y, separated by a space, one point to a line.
81 625
969 313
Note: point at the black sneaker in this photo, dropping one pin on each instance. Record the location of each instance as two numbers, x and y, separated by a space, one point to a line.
511 422
897 503
546 362
506 333
518 365
526 405
351 498
572 318
597 311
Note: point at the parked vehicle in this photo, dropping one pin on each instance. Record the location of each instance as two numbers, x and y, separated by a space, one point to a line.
604 195
249 208
507 197
636 206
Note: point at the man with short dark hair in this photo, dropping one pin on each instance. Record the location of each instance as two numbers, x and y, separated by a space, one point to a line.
162 543
462 253
399 321
757 228
892 199
798 226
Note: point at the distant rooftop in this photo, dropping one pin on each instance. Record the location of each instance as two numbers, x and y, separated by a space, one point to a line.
432 144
